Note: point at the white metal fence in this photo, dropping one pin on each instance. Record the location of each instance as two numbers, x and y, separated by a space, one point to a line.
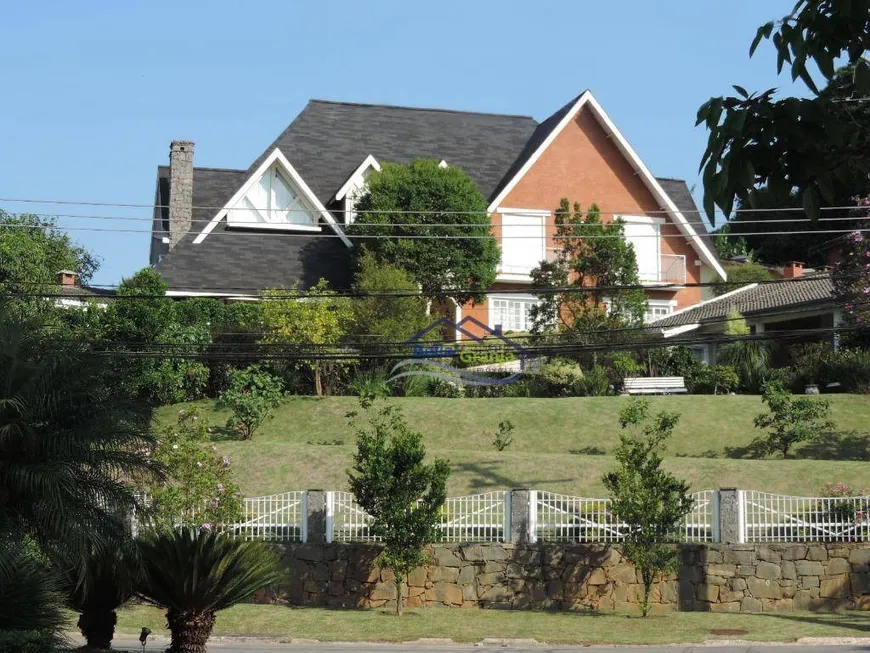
552 517
563 518
475 518
274 518
779 518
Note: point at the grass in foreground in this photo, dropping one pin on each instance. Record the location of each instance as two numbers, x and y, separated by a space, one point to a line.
562 445
474 625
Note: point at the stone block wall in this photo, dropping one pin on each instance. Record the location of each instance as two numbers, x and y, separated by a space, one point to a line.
717 578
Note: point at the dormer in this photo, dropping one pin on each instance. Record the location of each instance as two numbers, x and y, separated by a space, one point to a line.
355 187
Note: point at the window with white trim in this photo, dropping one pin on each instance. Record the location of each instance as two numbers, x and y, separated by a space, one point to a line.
523 242
657 309
273 200
644 234
511 312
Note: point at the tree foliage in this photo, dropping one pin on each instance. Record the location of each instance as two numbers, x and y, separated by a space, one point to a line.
32 251
592 254
749 358
71 441
318 316
252 395
424 199
386 319
851 278
402 493
812 146
792 419
741 274
651 502
199 487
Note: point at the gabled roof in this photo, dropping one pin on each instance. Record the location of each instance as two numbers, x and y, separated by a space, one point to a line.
550 129
757 299
328 140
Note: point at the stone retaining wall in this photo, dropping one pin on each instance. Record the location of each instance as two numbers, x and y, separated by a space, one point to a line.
717 578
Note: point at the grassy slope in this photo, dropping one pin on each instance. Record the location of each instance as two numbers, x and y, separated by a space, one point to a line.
562 445
550 627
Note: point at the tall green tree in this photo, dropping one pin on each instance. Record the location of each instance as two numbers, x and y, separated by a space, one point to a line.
741 274
812 146
32 251
402 493
406 205
592 254
851 277
651 502
318 316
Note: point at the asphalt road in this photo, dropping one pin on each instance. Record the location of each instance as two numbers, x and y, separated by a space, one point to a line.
260 647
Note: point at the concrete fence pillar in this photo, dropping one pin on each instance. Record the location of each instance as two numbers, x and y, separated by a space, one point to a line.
730 516
520 505
315 530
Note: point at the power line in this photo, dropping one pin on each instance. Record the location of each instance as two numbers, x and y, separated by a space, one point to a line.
632 211
358 294
312 235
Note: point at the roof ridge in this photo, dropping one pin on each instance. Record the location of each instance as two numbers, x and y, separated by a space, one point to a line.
410 108
672 179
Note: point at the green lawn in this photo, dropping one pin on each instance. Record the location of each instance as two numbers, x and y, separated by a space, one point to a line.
474 625
562 445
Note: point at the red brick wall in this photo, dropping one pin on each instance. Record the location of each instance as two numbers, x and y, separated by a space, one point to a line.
585 165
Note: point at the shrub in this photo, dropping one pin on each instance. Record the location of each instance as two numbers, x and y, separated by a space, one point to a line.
842 510
749 358
252 395
504 436
174 380
810 362
199 486
561 376
594 383
713 379
791 419
851 368
194 573
414 386
446 389
369 382
28 641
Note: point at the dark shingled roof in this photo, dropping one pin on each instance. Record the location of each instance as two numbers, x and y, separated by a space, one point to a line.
326 143
329 140
760 299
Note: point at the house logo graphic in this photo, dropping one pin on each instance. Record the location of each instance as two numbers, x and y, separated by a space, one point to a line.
466 366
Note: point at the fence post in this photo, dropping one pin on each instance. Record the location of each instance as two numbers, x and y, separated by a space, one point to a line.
730 512
508 517
521 508
315 517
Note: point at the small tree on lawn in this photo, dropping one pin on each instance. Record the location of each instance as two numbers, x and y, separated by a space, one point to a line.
199 487
792 419
651 502
252 395
402 494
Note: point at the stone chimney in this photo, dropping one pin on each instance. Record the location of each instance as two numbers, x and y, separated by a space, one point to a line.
793 270
180 190
67 278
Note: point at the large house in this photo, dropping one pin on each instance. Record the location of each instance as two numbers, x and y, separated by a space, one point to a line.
231 232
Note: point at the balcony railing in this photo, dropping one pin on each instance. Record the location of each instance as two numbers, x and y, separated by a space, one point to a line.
671 270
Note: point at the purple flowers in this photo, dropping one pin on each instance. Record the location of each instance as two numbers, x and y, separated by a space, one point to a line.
206 527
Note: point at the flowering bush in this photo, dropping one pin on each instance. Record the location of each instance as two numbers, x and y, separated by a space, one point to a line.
844 510
199 490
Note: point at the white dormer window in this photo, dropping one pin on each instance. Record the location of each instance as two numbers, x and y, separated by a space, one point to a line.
355 187
273 200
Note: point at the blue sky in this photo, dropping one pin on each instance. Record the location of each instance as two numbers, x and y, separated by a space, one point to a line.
95 91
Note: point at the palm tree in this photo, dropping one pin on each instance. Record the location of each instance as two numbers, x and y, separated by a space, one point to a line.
32 601
70 443
98 587
194 573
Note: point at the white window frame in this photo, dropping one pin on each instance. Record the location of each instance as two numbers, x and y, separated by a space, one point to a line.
299 204
657 222
529 215
491 299
649 317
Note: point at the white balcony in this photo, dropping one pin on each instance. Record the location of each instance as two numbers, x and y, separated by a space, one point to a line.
671 270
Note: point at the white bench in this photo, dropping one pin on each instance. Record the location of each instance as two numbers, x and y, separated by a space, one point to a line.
655 385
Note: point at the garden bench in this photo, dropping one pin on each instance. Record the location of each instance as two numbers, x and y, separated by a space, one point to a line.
655 385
